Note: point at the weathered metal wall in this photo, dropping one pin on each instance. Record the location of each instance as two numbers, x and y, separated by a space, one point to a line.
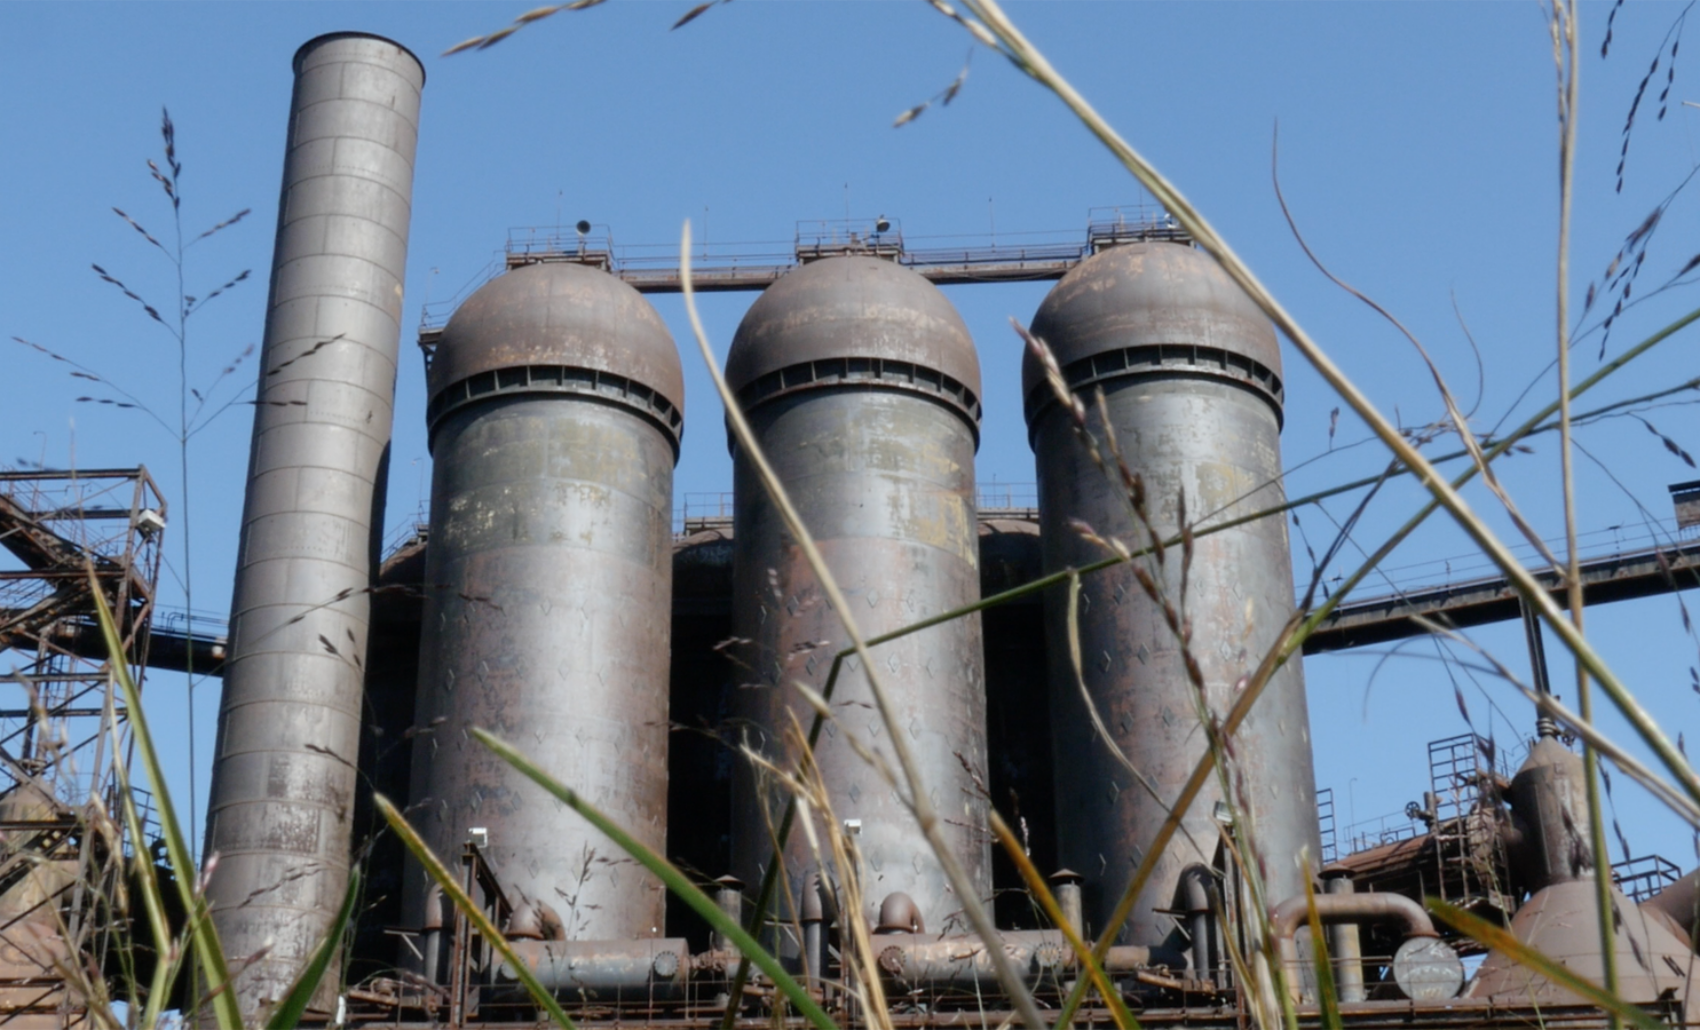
1018 713
1190 371
283 777
861 383
555 414
702 752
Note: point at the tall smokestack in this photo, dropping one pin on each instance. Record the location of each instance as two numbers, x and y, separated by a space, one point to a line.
283 782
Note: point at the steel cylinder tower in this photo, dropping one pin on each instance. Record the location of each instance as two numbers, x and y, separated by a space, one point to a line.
862 386
1190 370
555 417
281 806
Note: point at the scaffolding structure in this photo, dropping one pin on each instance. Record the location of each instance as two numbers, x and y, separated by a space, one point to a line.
67 537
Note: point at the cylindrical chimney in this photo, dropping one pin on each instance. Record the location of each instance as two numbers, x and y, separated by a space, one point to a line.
862 384
555 416
1190 370
283 777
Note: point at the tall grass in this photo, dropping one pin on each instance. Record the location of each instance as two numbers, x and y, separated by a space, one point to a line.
1259 969
990 26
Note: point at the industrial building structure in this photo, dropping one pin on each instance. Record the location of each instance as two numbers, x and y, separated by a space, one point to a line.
549 600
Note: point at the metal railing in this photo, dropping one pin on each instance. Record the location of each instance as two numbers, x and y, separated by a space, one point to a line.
752 265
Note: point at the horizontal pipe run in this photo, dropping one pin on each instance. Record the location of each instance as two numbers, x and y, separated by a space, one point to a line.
654 968
963 963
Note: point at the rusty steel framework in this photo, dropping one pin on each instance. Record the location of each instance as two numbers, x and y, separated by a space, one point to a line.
751 267
68 536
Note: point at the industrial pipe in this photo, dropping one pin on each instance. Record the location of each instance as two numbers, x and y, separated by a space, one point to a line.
1068 899
899 914
439 920
925 962
1192 897
812 914
655 968
729 897
1286 918
1345 946
280 812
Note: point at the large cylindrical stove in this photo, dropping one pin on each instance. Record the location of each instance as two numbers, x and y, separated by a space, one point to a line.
556 411
861 383
1190 371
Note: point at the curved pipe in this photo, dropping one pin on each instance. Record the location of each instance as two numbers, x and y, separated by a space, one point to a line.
433 931
1352 908
900 914
1192 895
536 921
1373 907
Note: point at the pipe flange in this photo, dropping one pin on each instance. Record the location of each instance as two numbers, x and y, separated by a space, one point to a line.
1427 969
1048 955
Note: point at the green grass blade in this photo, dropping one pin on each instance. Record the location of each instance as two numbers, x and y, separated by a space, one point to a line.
205 937
1500 939
451 887
676 881
164 969
294 1004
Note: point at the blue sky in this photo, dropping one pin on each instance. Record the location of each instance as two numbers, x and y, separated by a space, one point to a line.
1418 152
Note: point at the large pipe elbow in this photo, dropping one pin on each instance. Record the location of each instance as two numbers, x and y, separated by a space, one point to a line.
1351 908
1331 909
1193 891
900 914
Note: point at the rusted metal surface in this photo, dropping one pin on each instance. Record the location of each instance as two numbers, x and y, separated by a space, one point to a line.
1680 902
1190 371
548 584
883 474
1167 304
853 308
1548 836
555 316
283 778
1562 922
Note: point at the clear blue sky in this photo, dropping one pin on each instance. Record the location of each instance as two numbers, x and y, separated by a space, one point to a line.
1418 150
